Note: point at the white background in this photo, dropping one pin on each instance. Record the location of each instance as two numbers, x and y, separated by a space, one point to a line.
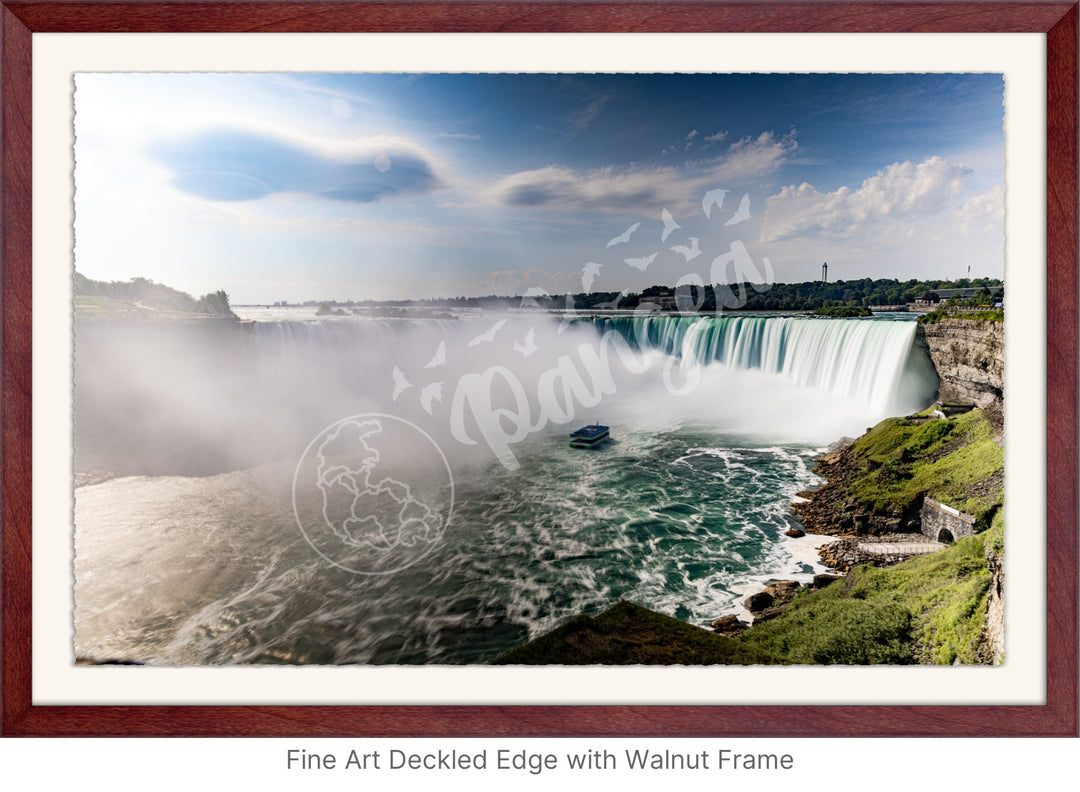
113 764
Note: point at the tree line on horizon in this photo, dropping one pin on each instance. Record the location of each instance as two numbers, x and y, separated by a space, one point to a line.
827 298
806 296
158 295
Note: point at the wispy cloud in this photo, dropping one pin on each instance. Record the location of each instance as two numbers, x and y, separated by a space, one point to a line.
752 157
604 190
640 189
582 118
293 82
459 136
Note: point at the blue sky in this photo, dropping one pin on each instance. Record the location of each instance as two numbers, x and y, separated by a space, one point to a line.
353 186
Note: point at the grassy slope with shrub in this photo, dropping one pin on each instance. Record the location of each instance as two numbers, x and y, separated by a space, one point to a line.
930 609
990 315
140 297
955 461
628 634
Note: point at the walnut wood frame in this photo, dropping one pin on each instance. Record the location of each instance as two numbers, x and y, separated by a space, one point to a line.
1058 20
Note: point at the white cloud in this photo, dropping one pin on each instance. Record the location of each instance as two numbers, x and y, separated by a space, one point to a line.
886 204
341 109
752 157
640 189
982 213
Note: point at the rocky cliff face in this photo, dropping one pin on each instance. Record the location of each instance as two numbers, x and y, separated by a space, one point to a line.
994 632
970 359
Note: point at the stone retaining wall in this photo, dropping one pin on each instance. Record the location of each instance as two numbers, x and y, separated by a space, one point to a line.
937 519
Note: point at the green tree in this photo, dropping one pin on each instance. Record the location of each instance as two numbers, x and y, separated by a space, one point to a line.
215 304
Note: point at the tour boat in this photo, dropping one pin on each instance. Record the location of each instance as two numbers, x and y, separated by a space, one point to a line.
589 436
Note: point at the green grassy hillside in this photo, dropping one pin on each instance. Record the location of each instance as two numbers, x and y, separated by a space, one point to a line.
628 634
142 298
930 609
955 461
877 484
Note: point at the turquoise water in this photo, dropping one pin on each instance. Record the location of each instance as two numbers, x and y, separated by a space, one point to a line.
680 521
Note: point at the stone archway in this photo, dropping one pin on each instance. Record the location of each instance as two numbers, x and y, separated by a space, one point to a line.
945 536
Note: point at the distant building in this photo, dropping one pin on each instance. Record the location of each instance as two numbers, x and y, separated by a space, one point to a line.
963 294
666 301
684 303
939 298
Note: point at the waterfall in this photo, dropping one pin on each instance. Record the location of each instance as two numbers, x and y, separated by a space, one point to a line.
872 362
864 360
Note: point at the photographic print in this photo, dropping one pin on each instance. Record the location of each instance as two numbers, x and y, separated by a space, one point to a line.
556 368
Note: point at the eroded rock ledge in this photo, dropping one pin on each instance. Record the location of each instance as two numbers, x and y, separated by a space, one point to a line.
969 356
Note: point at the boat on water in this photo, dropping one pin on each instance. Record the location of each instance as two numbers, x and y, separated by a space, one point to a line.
589 436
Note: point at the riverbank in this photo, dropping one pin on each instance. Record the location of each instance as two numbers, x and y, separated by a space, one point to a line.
878 483
930 608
